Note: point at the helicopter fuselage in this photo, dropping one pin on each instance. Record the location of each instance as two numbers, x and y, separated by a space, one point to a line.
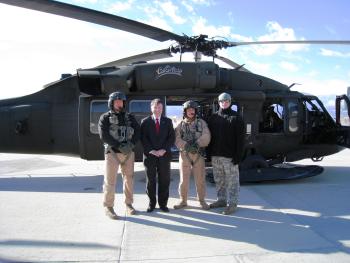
62 118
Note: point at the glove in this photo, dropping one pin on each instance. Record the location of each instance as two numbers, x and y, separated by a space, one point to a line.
191 148
126 148
187 147
195 148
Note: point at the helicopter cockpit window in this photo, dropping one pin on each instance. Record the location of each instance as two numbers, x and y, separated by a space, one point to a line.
272 118
98 107
344 117
315 115
313 106
293 125
140 106
175 113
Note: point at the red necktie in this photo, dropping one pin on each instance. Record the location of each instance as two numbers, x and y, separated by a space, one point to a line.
157 126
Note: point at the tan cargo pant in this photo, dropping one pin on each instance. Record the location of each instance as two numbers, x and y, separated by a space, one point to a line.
198 170
110 177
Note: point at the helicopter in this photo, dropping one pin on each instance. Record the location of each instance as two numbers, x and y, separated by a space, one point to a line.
281 125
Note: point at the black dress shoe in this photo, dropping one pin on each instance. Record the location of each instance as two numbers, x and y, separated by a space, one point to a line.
164 209
150 209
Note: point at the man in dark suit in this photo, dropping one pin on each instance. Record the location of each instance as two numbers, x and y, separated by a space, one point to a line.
157 137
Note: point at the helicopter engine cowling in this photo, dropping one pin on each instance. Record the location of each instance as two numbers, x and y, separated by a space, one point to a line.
150 77
175 76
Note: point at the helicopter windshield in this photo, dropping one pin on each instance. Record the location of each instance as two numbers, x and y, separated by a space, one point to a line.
313 105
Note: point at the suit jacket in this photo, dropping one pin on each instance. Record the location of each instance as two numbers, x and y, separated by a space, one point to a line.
153 141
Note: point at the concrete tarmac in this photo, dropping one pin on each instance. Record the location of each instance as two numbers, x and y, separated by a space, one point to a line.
51 211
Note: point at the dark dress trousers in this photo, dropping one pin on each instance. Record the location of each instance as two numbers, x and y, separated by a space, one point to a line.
157 166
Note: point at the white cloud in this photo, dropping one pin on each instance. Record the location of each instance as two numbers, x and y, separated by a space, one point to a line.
241 38
156 17
202 2
201 27
277 32
288 66
158 22
151 11
117 7
313 73
316 87
40 47
255 66
332 53
258 68
188 6
329 103
170 10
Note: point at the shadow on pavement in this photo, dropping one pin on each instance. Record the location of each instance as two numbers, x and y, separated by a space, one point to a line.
272 230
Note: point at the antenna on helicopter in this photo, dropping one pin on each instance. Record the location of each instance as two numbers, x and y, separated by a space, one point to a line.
293 85
239 67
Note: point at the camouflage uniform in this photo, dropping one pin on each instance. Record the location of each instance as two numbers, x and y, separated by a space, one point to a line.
192 132
226 176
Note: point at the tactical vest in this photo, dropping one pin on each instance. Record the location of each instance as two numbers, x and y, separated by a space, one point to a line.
122 132
190 132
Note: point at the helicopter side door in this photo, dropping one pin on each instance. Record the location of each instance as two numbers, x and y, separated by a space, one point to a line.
90 110
270 137
280 130
343 120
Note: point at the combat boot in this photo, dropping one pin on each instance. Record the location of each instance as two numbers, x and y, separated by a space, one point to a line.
218 203
110 213
130 210
230 209
180 205
204 205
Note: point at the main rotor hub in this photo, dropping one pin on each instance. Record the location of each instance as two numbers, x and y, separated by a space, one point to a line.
199 44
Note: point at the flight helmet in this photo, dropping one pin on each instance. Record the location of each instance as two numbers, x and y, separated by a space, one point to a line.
190 104
224 96
118 95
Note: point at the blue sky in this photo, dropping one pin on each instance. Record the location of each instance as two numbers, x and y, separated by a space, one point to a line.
35 48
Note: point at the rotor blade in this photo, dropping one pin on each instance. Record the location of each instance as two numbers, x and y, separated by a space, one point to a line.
96 17
232 63
331 42
158 54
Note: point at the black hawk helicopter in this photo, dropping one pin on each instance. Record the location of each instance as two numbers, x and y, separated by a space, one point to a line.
281 125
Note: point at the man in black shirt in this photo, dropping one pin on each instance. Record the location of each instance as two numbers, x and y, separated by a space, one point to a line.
225 148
